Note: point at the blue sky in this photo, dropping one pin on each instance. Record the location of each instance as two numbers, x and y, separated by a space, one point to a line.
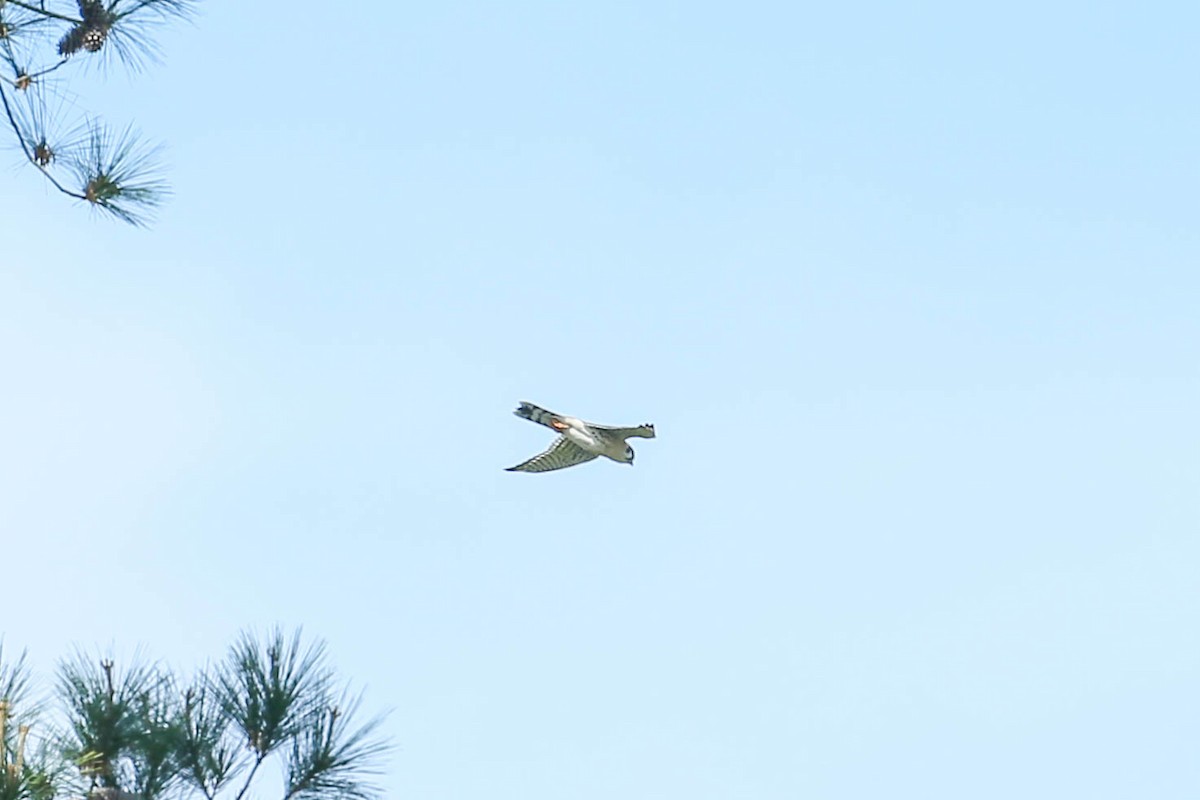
910 294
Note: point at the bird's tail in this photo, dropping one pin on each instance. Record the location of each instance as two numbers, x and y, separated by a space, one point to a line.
539 415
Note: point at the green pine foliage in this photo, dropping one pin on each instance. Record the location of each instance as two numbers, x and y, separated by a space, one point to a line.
40 42
137 732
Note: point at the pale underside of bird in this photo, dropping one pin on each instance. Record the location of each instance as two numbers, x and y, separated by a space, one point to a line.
578 441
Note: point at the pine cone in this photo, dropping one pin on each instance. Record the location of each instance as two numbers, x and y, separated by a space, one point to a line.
93 39
71 41
91 33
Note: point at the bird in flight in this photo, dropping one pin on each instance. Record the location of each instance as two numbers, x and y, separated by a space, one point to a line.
578 441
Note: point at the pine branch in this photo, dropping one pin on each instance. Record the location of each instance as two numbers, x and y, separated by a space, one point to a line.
116 173
155 750
14 682
103 709
28 767
206 755
131 735
42 11
29 154
268 692
330 759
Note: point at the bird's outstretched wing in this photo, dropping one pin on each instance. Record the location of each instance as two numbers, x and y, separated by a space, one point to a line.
644 431
560 455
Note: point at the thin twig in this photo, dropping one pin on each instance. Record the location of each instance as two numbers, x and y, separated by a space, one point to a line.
44 12
179 8
47 70
30 77
258 763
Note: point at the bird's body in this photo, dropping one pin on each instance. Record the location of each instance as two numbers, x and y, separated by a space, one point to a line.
578 441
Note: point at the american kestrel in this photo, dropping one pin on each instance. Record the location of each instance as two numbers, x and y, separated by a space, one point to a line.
578 441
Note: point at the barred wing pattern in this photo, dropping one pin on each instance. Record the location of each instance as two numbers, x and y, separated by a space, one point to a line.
560 455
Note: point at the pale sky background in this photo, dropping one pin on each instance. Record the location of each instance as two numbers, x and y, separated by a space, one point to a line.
911 293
